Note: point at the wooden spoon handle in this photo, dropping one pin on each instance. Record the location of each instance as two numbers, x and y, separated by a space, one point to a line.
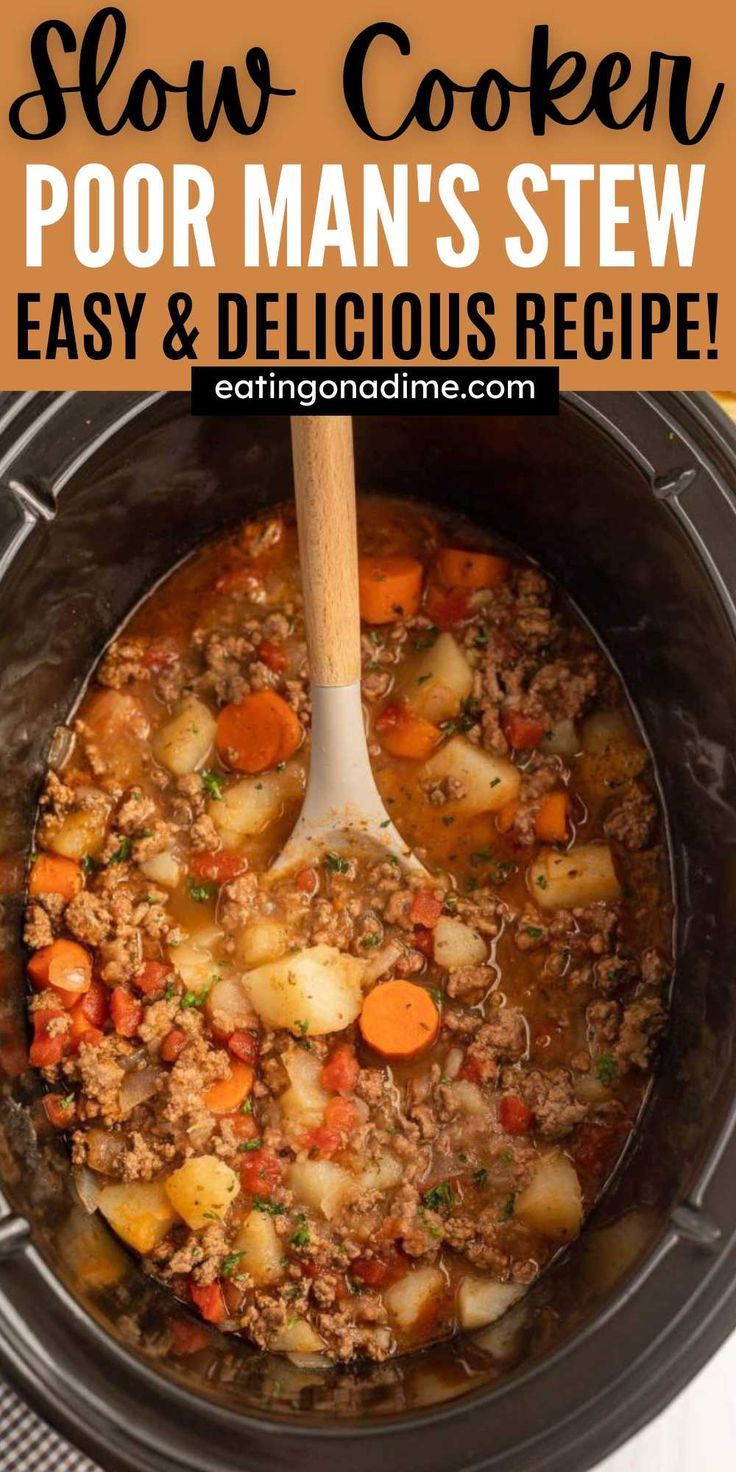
324 481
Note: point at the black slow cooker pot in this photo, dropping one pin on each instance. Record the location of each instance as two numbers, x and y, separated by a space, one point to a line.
629 500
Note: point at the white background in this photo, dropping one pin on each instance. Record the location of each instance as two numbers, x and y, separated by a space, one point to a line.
697 1433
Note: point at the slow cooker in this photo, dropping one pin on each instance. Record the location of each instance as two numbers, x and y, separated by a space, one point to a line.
630 500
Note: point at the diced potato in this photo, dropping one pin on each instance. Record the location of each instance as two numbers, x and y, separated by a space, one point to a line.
457 944
435 682
612 750
195 967
90 1252
322 1185
261 941
262 1253
82 832
297 1338
562 739
249 805
504 1338
480 1301
383 1176
552 1203
590 1089
581 876
162 869
410 1298
118 725
228 1008
183 743
468 1097
141 1212
303 1104
489 782
314 991
201 1189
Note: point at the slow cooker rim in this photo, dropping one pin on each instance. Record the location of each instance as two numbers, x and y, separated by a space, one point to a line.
700 414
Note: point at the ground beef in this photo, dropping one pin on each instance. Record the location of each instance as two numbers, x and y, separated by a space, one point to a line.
534 623
632 820
641 1028
550 1095
469 983
88 918
559 691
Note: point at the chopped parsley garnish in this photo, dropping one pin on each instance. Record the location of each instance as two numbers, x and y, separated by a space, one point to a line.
66 1102
194 999
426 640
300 1237
122 852
250 1144
211 1216
229 1264
373 939
534 932
480 1177
271 1208
212 783
481 856
508 1208
439 1197
606 1068
422 679
502 870
481 639
302 1023
247 1107
386 823
200 892
506 1156
542 881
89 865
336 863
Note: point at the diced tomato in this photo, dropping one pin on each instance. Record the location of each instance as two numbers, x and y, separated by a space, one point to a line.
161 654
377 1272
446 608
516 1117
423 940
307 881
60 1110
82 1029
260 1171
426 909
244 1045
342 1115
47 1047
273 655
93 1005
323 1141
126 1012
340 1073
187 1337
593 1148
472 1070
219 868
172 1045
209 1299
520 731
242 1126
152 978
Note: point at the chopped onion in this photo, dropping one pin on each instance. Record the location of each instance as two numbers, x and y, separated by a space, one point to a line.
104 1149
136 1088
228 1007
87 1187
61 747
376 966
453 1063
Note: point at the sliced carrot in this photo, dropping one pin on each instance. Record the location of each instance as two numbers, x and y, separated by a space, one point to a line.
60 1110
406 735
230 1091
457 568
83 1029
550 824
258 732
47 1047
399 1019
64 966
208 1298
53 875
505 817
390 588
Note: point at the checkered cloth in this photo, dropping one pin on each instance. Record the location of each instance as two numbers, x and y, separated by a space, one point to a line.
27 1444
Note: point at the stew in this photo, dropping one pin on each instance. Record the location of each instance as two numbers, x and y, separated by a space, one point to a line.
345 1112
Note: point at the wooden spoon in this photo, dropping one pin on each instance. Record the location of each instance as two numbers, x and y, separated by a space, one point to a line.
342 808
